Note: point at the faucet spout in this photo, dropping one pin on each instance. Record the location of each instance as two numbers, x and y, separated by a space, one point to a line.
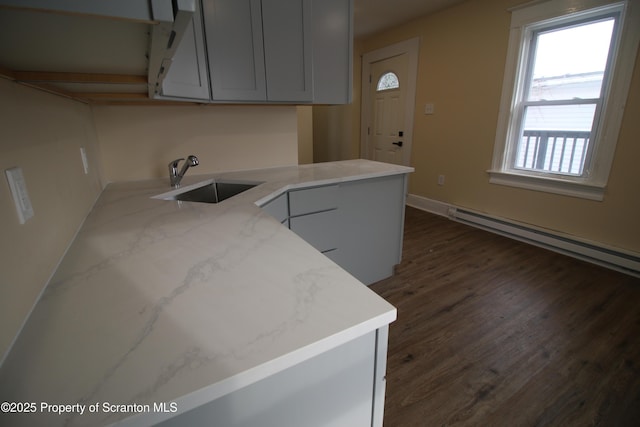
174 176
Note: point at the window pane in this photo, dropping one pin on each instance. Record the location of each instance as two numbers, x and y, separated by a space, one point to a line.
569 63
580 86
555 138
554 152
559 117
388 81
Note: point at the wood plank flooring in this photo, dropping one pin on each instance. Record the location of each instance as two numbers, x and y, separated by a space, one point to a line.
494 332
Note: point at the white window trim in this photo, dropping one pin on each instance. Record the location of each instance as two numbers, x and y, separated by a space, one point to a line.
593 186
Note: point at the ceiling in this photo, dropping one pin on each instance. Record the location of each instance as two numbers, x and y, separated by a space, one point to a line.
108 64
372 16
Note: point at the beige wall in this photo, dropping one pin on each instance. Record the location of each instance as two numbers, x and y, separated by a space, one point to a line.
305 134
42 134
461 64
137 142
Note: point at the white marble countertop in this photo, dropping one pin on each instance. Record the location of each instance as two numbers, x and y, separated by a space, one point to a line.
179 303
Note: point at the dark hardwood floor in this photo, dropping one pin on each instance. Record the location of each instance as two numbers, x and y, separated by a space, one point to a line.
494 332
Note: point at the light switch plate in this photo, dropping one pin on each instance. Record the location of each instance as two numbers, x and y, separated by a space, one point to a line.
20 195
429 109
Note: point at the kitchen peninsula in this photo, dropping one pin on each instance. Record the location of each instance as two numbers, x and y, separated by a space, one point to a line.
183 313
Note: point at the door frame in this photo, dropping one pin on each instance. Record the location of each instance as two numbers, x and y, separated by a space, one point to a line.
410 47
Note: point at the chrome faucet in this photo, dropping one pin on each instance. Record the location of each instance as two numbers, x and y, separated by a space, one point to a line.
174 176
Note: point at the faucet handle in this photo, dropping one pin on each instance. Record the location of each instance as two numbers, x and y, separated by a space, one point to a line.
174 164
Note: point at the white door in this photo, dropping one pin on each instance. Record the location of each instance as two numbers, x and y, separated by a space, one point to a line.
387 94
388 102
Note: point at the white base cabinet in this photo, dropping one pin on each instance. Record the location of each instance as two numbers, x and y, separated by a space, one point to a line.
357 224
370 226
343 387
313 214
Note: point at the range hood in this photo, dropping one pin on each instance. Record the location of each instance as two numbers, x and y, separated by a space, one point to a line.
92 50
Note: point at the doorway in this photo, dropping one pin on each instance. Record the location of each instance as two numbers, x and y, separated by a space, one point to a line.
388 102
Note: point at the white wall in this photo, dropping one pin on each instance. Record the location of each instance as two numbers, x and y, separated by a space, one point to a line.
137 142
42 134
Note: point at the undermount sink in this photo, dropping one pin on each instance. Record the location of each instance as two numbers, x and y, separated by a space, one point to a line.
208 192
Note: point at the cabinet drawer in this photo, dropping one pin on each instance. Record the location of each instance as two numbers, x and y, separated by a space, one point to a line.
318 229
316 199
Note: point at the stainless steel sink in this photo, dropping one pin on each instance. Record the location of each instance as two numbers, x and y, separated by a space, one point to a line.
208 192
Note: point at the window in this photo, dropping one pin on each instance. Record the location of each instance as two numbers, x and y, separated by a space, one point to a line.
388 81
559 116
563 90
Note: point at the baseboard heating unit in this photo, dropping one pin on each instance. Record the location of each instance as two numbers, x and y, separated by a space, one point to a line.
612 258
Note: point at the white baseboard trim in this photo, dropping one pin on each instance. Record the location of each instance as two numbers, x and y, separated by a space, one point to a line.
614 258
428 205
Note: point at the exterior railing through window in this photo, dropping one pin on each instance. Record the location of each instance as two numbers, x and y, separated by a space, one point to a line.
553 151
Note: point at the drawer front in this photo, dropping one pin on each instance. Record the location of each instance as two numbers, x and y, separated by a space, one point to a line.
309 200
319 229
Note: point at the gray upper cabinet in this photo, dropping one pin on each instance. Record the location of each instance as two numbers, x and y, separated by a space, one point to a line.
286 28
233 32
259 50
187 77
280 51
332 51
164 22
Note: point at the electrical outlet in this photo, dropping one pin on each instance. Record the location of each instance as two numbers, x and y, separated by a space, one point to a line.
440 179
21 199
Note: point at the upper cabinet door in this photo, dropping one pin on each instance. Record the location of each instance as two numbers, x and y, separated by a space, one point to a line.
188 76
279 51
233 32
287 32
332 51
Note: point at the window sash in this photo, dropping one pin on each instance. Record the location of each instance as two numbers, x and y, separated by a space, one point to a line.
547 146
513 147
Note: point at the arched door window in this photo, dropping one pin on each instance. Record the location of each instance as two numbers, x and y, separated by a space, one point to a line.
388 81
